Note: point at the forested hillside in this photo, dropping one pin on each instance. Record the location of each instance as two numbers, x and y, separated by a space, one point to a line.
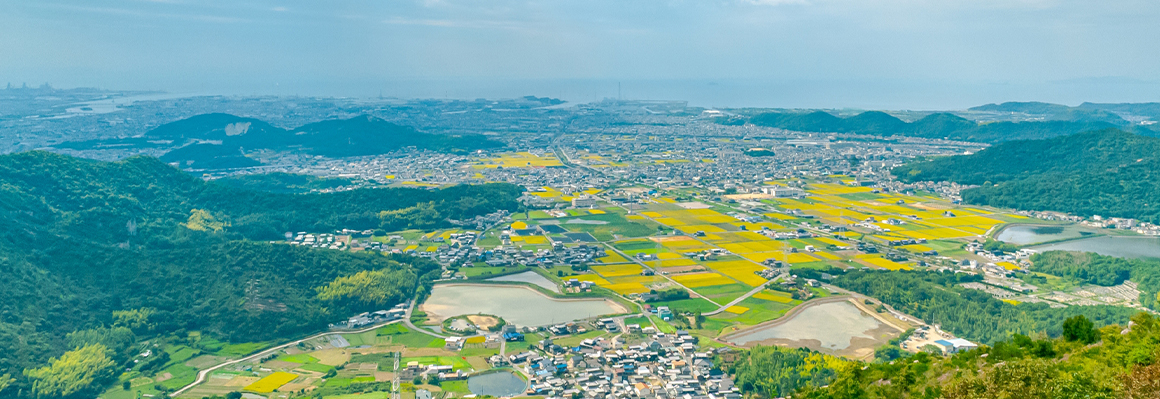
1092 268
943 125
223 141
1084 362
284 183
1107 172
935 298
99 253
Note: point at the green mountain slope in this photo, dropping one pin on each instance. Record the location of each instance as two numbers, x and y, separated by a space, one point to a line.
222 141
943 125
285 183
89 246
1056 112
1108 172
1116 361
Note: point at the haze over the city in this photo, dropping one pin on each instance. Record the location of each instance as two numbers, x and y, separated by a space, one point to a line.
893 54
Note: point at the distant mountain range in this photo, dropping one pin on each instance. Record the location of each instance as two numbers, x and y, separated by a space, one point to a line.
1107 172
223 141
1121 114
1045 121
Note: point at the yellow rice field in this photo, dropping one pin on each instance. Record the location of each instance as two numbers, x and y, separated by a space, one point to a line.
886 263
739 270
694 280
271 382
774 296
618 270
737 309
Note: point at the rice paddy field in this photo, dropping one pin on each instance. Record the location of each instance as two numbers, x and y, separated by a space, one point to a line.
520 160
352 358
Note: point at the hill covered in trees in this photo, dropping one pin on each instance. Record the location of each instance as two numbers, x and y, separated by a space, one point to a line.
1114 361
108 253
936 298
285 183
224 141
946 125
1107 172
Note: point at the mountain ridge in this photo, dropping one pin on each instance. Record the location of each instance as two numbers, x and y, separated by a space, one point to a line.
218 141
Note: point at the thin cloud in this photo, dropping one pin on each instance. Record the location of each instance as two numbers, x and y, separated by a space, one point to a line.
147 14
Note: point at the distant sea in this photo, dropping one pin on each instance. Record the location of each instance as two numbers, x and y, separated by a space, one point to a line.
731 93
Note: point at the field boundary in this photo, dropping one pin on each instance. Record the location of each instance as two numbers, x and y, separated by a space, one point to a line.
786 317
201 375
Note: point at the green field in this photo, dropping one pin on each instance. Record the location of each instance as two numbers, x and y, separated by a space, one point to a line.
472 272
635 245
459 387
365 395
401 335
616 225
688 305
662 325
456 362
759 311
342 382
298 358
317 367
643 321
723 293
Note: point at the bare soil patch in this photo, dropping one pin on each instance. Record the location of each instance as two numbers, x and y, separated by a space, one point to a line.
331 357
483 322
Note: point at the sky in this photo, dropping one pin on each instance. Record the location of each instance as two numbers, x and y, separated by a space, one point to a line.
869 54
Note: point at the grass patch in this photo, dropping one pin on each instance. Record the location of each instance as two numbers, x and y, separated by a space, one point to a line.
317 367
691 305
299 358
454 386
643 321
182 375
662 325
723 293
345 382
242 349
457 363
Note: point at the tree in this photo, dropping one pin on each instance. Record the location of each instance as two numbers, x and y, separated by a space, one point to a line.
5 381
1079 328
234 395
76 373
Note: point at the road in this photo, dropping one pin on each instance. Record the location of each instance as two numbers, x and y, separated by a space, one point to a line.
657 273
787 316
407 322
201 375
736 301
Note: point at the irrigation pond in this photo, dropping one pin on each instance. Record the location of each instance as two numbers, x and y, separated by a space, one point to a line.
521 306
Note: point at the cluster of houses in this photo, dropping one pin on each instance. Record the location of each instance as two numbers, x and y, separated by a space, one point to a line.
482 222
662 366
324 240
560 254
368 318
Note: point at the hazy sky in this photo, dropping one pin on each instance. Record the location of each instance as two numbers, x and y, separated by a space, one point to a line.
916 54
